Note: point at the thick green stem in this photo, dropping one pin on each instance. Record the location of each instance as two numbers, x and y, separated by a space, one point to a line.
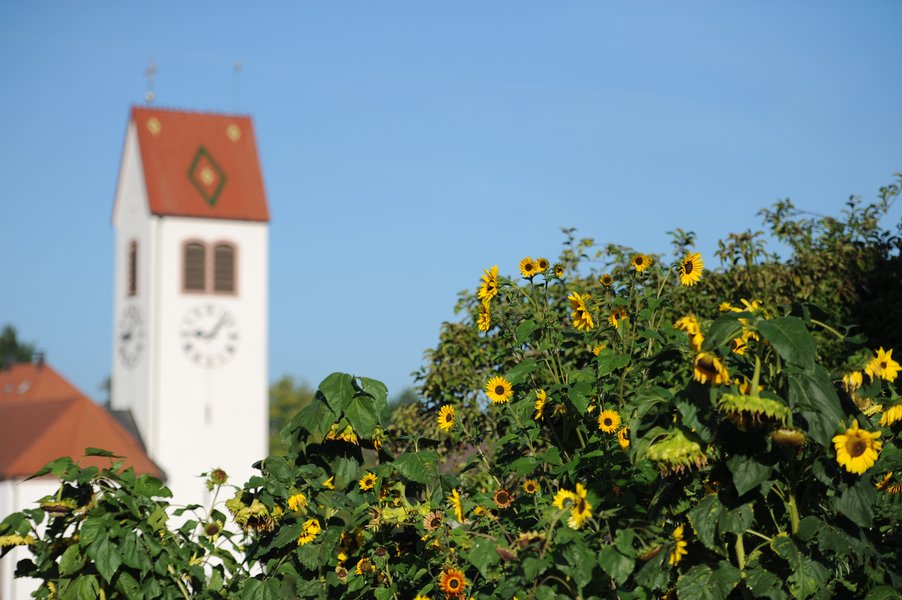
793 511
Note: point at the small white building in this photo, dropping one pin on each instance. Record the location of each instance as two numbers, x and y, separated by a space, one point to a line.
190 295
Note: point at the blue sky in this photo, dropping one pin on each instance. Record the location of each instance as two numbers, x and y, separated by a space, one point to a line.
408 145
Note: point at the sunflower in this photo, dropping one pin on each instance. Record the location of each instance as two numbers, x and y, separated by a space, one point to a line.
499 390
606 280
368 481
675 453
679 549
14 539
297 502
857 449
883 366
527 268
433 520
891 415
581 510
609 421
885 482
559 271
689 324
309 530
446 417
531 486
484 321
453 582
641 262
364 566
542 265
617 314
488 289
852 381
421 597
709 368
691 269
623 437
541 399
582 318
564 499
503 498
725 307
596 350
457 505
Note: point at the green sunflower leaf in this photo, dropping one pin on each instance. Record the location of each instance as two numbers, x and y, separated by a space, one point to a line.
618 566
704 517
791 339
338 390
421 467
363 414
483 555
525 330
521 371
857 502
812 394
701 582
721 332
747 472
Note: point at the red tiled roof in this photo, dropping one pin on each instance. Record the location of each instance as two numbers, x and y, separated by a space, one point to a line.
200 164
45 417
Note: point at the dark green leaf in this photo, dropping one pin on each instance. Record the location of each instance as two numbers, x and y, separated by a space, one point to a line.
857 502
580 402
533 567
807 575
765 584
525 329
747 472
884 592
151 487
374 388
82 588
133 553
128 586
421 467
813 395
608 363
735 520
338 390
521 371
701 582
99 452
363 415
791 339
615 564
105 557
704 517
316 417
581 562
72 560
483 555
721 332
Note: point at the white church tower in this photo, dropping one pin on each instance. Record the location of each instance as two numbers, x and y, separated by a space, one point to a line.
190 295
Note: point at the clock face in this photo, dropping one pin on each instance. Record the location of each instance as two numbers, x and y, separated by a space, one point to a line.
209 335
131 336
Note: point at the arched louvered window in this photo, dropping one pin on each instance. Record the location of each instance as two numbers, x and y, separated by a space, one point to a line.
133 268
224 268
195 274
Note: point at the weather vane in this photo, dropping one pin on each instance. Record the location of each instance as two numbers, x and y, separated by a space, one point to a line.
150 72
236 69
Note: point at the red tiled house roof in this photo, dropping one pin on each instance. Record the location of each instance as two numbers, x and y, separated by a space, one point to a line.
200 164
45 417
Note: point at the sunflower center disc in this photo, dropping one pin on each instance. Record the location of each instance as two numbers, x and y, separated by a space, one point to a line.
856 447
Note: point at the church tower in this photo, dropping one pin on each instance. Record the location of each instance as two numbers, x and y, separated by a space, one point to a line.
190 295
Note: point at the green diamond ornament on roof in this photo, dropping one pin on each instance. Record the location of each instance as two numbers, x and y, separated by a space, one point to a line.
206 176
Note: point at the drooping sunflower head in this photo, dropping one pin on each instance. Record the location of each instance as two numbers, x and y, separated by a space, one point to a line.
617 315
606 280
640 262
883 366
528 268
453 582
484 320
368 481
297 502
433 520
488 289
623 437
675 453
691 268
609 421
503 498
559 271
531 486
541 399
752 410
891 415
582 318
309 530
852 381
857 449
542 264
679 547
446 417
789 436
709 368
499 390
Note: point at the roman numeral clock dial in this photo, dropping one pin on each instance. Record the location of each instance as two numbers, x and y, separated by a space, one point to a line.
209 335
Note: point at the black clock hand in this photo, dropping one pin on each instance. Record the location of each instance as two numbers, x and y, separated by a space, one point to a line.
217 327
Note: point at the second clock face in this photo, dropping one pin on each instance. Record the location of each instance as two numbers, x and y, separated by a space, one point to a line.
209 335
